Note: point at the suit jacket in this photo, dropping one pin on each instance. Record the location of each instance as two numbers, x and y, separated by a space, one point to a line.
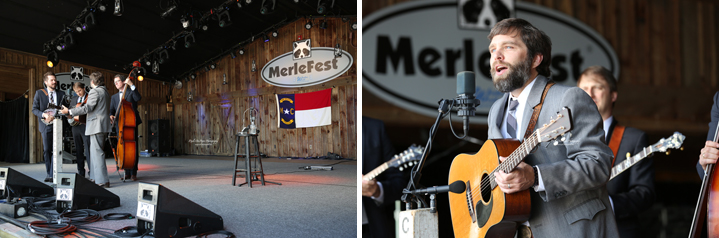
712 129
133 96
575 202
73 104
632 191
96 108
377 149
39 104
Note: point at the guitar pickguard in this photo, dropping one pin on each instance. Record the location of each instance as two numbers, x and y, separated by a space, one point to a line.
483 208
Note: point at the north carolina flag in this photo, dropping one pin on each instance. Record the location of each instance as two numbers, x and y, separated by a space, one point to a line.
304 109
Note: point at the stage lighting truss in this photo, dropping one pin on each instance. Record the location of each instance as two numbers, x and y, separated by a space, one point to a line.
224 18
268 6
322 6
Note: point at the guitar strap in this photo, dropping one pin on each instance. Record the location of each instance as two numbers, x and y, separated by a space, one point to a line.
43 90
617 135
537 109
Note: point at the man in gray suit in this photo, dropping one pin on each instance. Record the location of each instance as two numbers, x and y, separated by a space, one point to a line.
567 182
98 125
82 141
632 191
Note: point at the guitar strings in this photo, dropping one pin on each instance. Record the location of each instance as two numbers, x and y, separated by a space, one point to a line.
514 158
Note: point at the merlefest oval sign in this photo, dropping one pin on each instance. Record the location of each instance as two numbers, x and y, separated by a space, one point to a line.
413 51
323 65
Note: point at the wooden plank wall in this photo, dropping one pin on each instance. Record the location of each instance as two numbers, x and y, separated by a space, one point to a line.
667 52
152 105
216 112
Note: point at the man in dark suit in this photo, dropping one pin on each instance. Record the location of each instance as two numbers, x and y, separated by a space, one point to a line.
632 191
379 194
82 141
710 152
39 104
133 96
567 181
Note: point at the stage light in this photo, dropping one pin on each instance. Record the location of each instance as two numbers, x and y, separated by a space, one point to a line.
354 26
204 26
213 66
241 51
155 68
119 8
147 61
52 59
224 18
65 42
102 7
267 6
207 69
239 4
323 24
185 22
189 39
193 75
140 73
275 34
163 213
232 54
248 1
89 22
78 28
308 25
163 56
265 38
170 9
322 6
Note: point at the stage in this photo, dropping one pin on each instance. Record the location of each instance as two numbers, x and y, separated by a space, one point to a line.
309 203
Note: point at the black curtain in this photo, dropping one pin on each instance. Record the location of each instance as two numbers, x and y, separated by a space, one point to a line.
14 124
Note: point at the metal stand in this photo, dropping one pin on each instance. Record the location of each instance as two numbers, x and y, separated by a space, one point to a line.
251 173
56 148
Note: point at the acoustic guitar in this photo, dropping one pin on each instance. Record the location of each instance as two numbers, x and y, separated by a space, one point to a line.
401 161
483 210
673 142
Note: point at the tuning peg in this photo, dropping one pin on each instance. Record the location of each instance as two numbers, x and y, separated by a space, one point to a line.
563 138
556 142
629 155
668 152
400 168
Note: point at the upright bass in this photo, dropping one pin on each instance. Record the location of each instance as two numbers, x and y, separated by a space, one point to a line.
125 117
708 202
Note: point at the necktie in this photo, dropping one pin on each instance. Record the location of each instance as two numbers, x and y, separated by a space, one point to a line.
511 120
52 100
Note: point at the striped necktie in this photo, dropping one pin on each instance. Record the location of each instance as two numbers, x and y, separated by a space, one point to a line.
511 120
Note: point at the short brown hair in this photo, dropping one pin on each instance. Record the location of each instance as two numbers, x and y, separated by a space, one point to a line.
121 76
97 79
45 76
603 73
536 40
79 84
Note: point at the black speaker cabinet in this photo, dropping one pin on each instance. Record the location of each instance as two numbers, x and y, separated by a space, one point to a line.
76 192
164 213
16 184
158 132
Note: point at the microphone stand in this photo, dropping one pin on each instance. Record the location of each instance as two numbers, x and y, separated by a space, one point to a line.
416 174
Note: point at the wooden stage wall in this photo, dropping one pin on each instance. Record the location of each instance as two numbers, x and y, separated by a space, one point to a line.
217 110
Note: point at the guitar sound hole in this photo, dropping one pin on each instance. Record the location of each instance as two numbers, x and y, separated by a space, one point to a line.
486 188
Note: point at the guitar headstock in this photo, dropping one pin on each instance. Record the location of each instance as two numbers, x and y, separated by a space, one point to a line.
556 127
406 158
673 142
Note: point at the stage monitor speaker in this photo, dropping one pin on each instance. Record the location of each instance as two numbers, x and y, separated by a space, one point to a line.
16 184
76 192
159 140
164 213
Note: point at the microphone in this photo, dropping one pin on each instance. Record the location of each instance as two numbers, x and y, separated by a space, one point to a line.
456 187
466 101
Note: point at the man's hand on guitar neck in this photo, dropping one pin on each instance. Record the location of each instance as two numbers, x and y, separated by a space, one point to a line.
709 154
370 188
519 179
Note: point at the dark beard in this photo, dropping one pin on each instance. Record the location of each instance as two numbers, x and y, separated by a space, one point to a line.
516 78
